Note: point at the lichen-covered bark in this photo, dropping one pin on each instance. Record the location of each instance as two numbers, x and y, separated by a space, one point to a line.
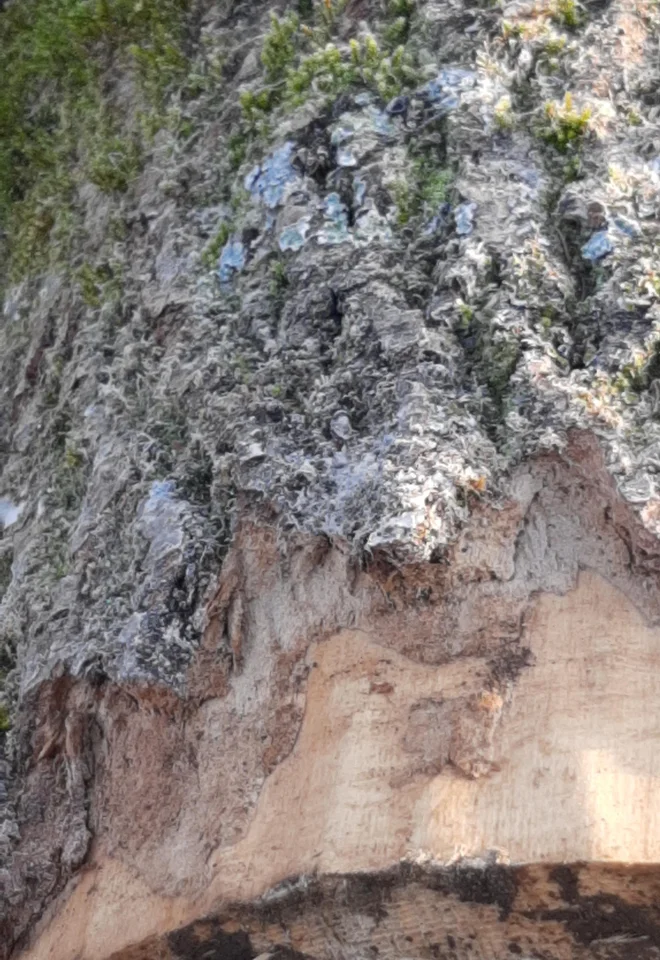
309 360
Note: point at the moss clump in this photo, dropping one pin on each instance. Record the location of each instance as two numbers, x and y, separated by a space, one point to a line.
423 192
214 248
400 15
5 720
160 62
512 31
299 59
237 149
565 126
53 54
567 13
279 285
69 480
501 359
41 218
280 47
279 279
89 286
503 115
364 64
492 354
642 370
100 284
114 162
554 46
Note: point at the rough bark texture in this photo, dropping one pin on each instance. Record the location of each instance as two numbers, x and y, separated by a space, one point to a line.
330 577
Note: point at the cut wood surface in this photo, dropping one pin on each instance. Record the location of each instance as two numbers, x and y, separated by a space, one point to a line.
400 760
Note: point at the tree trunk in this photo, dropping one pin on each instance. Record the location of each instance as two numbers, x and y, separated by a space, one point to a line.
329 557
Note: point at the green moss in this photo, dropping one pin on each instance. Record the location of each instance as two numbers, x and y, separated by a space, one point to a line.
300 59
511 31
435 187
161 64
564 126
69 480
40 223
280 47
89 286
237 147
404 199
554 46
256 103
492 354
73 459
400 15
114 162
324 69
53 54
5 719
572 169
213 250
100 284
503 115
501 359
423 191
466 312
327 13
279 279
567 13
642 370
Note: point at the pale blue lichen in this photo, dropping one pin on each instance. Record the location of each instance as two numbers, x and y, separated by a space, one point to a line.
271 180
444 91
452 78
356 134
232 259
359 191
335 229
597 247
370 226
440 219
628 227
345 157
293 237
464 217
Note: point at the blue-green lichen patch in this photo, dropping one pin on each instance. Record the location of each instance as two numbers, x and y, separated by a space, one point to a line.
464 217
232 259
445 89
273 179
289 210
371 227
598 246
293 237
357 134
335 227
367 134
